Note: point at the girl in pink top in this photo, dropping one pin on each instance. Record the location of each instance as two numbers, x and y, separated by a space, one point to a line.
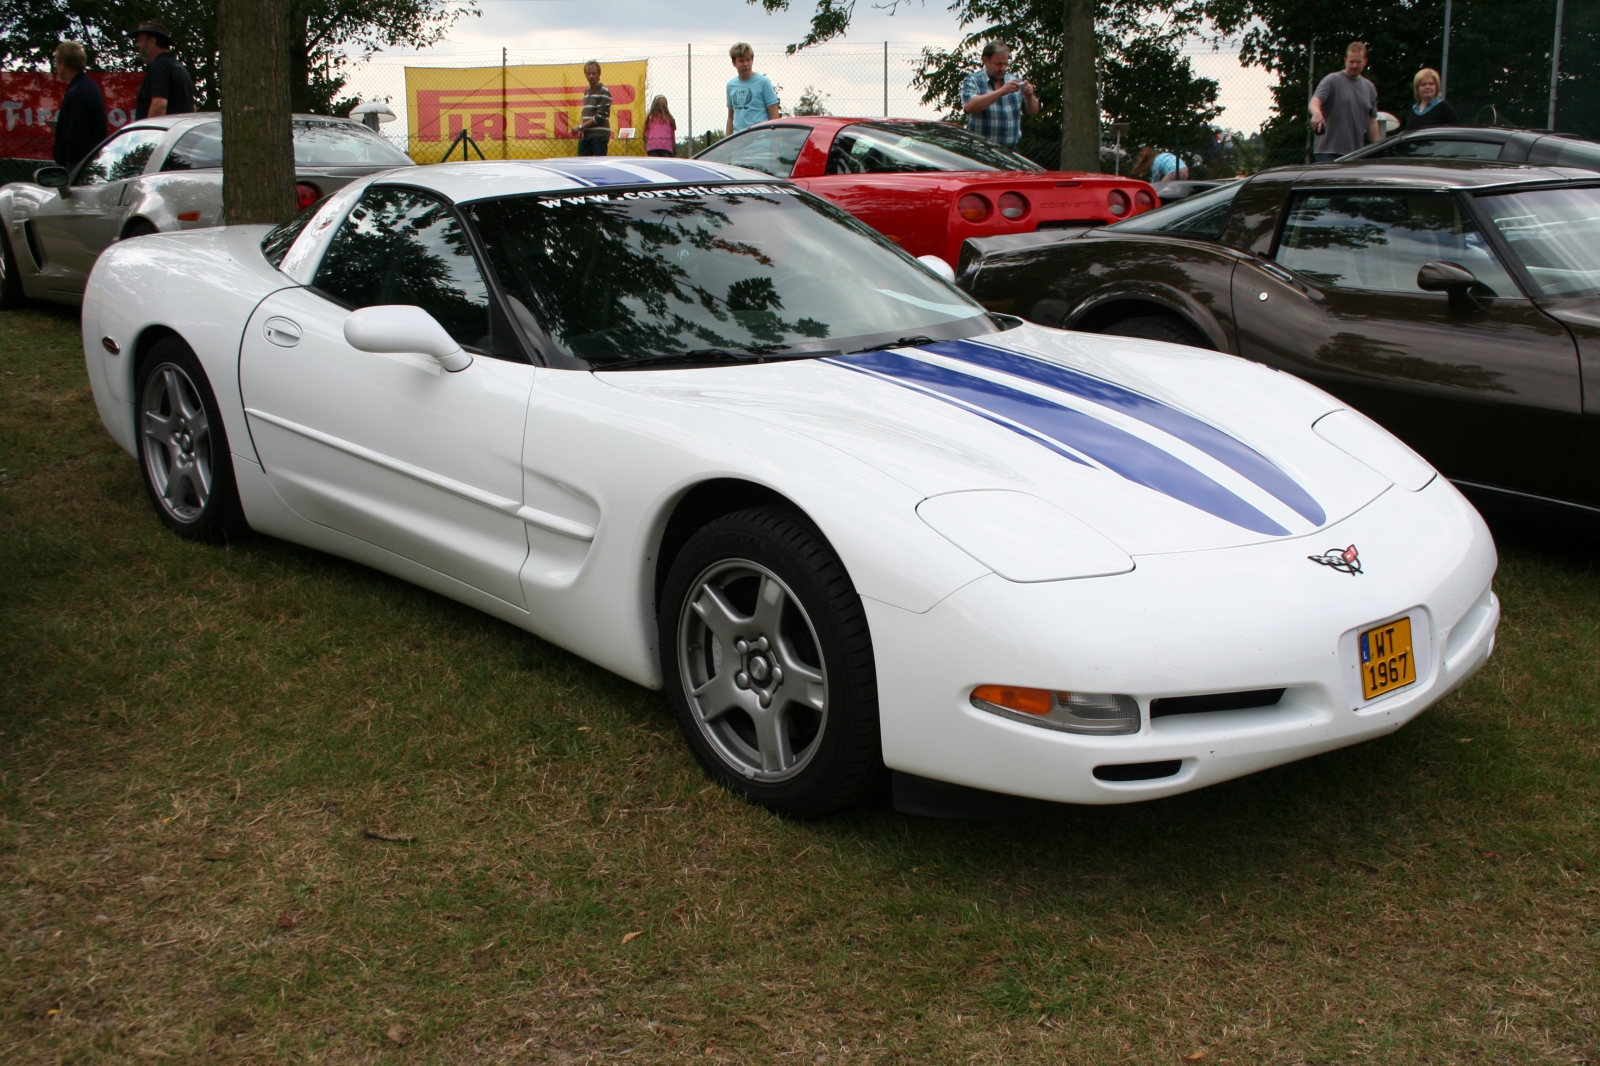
660 129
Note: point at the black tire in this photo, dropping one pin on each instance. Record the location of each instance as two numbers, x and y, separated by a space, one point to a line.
11 295
139 227
1158 328
184 457
818 629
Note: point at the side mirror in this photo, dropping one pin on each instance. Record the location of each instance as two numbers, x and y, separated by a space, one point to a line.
938 266
53 178
1451 278
394 329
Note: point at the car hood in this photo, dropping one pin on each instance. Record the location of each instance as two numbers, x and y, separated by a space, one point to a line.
1160 448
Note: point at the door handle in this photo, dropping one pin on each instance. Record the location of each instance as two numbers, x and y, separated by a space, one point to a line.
281 331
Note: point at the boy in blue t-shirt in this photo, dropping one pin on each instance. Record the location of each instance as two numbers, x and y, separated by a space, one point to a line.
751 98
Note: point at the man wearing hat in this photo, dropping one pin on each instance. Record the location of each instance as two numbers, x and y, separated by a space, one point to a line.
167 88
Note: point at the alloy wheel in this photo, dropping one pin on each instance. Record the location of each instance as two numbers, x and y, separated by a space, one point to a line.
177 442
752 670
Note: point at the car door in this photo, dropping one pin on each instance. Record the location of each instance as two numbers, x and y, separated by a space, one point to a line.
1489 395
393 449
74 229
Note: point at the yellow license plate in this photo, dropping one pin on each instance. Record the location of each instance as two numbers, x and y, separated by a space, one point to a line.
1386 659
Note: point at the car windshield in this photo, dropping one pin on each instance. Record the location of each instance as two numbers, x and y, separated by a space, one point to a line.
734 271
1199 216
1556 235
342 144
913 147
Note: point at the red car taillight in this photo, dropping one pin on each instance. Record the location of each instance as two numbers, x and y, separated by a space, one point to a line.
972 207
1013 204
305 194
1143 201
1118 202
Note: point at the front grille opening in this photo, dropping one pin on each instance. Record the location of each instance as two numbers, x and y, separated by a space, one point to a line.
1216 701
1138 771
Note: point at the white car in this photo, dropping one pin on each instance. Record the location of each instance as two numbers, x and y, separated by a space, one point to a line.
155 175
713 434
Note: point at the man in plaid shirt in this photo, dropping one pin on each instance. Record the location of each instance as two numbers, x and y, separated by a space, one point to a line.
994 100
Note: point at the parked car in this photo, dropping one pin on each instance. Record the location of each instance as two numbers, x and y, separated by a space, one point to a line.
714 434
1498 143
928 186
156 175
1456 302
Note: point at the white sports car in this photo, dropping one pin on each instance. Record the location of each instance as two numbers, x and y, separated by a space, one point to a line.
713 434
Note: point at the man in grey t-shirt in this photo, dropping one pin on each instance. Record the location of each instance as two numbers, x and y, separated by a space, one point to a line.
1344 109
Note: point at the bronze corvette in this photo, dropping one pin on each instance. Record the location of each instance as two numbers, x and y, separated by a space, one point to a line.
1457 303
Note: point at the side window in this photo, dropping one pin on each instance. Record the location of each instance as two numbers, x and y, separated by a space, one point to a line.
199 149
400 246
1565 153
1379 241
123 156
771 150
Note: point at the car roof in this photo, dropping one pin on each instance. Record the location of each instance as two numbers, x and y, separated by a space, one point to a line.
479 180
167 122
1438 173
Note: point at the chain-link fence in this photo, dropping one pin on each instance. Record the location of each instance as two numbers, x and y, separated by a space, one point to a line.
862 81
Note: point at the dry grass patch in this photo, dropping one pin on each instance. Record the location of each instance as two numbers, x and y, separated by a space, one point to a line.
258 803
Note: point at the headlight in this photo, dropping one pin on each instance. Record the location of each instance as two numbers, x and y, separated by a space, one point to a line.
1021 537
1363 439
1091 713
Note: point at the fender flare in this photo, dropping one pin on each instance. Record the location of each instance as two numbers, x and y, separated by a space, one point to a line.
1160 299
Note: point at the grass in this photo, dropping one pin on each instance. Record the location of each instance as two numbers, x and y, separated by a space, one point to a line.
200 747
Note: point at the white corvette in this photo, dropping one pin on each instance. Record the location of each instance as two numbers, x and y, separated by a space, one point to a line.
709 432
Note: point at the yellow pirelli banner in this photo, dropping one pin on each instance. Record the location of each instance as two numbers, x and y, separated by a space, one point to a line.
526 112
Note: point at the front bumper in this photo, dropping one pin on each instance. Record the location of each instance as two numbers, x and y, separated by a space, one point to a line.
1237 619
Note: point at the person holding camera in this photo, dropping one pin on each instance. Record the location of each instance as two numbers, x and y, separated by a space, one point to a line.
995 100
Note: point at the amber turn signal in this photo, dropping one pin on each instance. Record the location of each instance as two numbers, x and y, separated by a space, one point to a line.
1143 200
972 207
1026 700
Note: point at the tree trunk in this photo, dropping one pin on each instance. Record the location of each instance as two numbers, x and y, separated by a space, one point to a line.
257 138
299 62
1080 89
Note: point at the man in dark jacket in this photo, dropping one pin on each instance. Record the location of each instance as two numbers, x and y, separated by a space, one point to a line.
167 88
81 119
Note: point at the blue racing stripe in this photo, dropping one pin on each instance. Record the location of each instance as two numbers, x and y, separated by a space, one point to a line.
1227 450
678 170
1119 451
590 174
980 412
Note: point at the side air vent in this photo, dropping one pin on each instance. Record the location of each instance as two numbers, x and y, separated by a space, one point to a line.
1216 701
1138 771
33 244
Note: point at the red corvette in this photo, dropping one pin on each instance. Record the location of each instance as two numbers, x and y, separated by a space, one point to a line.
928 186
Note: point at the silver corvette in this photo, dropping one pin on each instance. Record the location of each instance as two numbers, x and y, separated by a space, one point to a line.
155 175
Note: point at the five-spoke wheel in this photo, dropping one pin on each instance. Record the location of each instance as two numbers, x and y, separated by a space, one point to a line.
769 664
183 449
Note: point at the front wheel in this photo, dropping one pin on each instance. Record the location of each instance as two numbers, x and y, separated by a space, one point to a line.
768 664
183 447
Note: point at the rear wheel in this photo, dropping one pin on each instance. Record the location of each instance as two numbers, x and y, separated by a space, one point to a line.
1158 328
11 294
183 447
769 667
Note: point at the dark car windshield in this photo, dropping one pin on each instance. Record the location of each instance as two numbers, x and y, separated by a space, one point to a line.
914 147
761 270
1200 216
1556 235
330 143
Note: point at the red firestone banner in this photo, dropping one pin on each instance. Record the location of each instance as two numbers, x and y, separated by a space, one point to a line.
28 103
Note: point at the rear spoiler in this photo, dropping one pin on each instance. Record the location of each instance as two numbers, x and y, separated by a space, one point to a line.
974 249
